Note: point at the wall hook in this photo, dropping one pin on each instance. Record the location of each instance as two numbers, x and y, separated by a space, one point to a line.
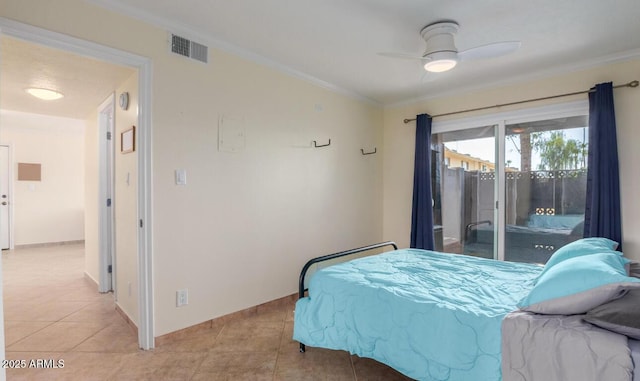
375 149
315 144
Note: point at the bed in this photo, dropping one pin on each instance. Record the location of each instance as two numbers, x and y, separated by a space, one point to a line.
438 316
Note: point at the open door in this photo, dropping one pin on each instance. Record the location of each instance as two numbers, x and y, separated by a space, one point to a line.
106 114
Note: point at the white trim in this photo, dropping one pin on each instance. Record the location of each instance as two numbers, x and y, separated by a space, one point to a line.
557 110
207 39
145 209
90 49
501 194
533 76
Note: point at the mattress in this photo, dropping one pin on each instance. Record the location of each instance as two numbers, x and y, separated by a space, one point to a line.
431 316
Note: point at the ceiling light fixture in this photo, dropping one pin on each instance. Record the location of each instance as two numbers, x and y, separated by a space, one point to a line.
441 61
44 94
441 51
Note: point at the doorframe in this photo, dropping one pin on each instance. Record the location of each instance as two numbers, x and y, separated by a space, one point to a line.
106 162
144 146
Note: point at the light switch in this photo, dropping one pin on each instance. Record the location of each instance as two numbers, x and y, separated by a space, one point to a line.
181 177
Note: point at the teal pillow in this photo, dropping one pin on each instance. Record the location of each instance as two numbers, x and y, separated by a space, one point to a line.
583 246
577 285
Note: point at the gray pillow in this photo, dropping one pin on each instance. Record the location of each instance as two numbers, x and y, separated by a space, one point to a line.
634 269
621 315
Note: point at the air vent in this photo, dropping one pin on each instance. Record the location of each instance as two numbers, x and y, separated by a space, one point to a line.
188 48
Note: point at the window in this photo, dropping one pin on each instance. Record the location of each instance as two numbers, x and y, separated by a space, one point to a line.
519 191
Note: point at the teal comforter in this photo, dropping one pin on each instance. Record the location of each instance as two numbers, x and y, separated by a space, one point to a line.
431 316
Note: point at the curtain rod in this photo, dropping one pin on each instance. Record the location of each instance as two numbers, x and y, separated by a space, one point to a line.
630 84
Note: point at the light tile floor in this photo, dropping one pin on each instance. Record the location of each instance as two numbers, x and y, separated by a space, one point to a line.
52 312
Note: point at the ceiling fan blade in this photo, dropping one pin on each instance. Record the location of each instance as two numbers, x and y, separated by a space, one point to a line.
406 56
428 76
492 50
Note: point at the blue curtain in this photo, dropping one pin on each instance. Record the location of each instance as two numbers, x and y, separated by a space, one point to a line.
602 210
422 212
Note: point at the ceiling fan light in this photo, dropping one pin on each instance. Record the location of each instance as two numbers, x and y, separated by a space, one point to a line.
44 94
441 61
439 66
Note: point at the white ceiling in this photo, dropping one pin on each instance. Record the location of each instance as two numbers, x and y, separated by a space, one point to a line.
335 42
85 82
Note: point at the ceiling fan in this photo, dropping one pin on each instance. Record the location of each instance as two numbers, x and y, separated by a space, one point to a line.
441 53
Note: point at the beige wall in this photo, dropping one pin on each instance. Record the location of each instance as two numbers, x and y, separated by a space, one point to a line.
399 140
124 203
91 196
126 206
240 230
50 210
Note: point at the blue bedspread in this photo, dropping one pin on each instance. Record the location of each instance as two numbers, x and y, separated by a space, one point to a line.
431 316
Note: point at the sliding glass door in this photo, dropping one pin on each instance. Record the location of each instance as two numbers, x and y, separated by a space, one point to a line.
513 189
546 182
465 190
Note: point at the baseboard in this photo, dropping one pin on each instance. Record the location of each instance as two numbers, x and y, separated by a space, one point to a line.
127 319
90 279
222 320
47 244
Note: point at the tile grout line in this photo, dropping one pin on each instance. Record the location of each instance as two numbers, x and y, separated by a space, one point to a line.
275 366
208 352
91 336
29 335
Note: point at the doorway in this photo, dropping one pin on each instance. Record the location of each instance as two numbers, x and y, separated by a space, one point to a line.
143 66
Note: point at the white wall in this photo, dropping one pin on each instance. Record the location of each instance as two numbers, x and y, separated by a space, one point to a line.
399 140
51 210
239 232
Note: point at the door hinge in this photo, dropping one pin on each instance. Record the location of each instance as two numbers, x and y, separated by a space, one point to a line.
140 223
496 204
110 269
108 135
108 202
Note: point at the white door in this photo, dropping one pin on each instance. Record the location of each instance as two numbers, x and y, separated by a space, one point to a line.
4 198
106 128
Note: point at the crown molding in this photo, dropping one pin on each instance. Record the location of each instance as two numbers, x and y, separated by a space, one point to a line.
213 41
537 75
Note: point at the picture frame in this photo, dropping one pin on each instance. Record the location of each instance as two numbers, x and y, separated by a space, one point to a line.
128 140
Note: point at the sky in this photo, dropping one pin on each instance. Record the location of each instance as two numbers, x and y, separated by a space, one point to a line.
484 148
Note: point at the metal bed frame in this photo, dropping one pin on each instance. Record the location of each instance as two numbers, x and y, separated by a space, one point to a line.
305 268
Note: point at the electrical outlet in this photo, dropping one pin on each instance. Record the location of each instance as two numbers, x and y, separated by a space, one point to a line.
182 297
